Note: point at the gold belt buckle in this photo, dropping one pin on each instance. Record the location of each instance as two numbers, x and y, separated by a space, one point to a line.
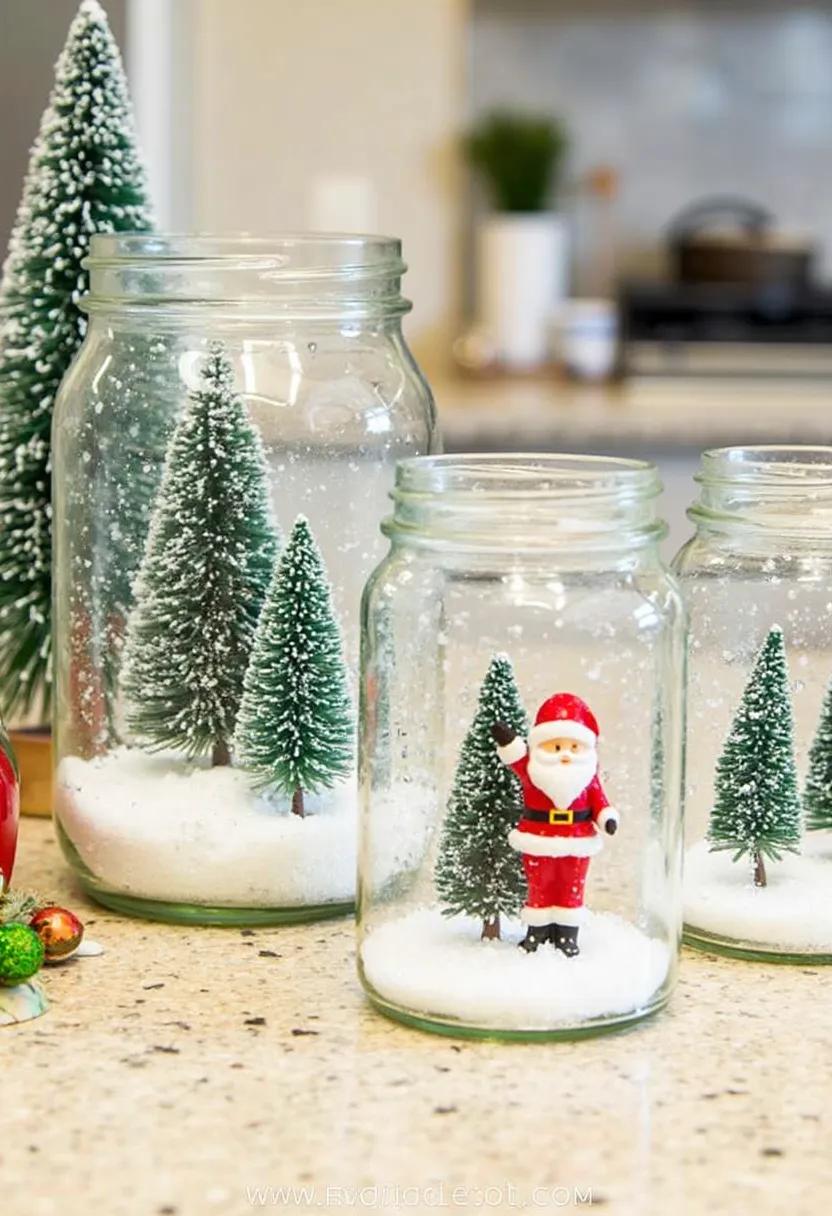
556 816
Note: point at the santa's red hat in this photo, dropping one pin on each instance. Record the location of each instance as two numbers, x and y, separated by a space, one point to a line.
564 716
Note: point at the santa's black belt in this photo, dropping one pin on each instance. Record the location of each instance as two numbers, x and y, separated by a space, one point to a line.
558 817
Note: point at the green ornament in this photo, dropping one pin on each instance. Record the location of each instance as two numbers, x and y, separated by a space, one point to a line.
21 954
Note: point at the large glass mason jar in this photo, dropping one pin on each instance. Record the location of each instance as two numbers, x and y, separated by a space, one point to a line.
520 749
757 579
223 448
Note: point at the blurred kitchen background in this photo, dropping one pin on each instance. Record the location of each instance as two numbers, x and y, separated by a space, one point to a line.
617 213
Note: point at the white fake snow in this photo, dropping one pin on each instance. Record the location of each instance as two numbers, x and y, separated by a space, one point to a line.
430 964
155 827
793 912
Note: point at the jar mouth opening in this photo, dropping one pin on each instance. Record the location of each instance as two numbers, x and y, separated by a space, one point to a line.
526 476
776 466
526 502
327 274
780 489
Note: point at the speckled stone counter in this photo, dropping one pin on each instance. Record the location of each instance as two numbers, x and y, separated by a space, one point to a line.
189 1071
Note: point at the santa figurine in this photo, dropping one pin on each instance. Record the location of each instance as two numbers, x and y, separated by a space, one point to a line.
565 818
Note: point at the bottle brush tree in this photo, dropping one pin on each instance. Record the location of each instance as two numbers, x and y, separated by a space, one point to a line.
84 177
203 577
477 873
817 793
756 811
296 731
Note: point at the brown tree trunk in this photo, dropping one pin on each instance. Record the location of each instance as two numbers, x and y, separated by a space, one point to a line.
760 879
297 803
491 929
220 753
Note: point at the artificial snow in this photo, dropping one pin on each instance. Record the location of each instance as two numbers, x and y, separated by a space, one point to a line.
159 828
793 913
438 966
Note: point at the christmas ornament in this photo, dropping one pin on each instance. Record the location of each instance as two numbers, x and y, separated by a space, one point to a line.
204 575
84 176
295 731
477 871
756 809
566 812
59 930
21 954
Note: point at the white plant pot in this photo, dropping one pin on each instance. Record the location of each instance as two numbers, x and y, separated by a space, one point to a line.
522 274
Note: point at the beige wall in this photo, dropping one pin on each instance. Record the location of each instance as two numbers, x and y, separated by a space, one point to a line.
287 90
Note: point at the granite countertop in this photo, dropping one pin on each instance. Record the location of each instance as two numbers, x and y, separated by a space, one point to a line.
185 1066
538 414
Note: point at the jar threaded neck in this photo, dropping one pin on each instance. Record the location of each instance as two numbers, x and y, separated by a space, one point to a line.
526 502
781 489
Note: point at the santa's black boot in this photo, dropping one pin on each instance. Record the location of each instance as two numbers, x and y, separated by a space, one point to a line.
536 935
565 939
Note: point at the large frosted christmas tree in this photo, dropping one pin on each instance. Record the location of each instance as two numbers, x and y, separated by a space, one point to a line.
817 793
296 731
756 811
209 557
84 177
476 871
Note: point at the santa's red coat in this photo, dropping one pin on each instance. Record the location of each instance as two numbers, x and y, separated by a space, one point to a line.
556 855
9 809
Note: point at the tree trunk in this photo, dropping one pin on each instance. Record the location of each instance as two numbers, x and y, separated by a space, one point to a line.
759 869
491 928
220 753
297 803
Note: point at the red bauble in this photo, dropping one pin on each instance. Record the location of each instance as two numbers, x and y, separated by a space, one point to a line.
9 809
60 931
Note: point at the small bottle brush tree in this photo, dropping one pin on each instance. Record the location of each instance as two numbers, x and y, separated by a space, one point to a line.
295 731
817 793
84 177
757 806
477 873
209 557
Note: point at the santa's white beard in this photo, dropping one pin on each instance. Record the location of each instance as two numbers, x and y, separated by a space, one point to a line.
562 782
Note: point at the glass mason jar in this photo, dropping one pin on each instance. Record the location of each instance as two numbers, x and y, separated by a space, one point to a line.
521 589
757 580
225 386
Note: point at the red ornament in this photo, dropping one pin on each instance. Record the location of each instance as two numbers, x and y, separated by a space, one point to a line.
59 930
9 809
566 816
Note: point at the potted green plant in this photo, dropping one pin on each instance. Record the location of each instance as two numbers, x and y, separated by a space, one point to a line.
522 250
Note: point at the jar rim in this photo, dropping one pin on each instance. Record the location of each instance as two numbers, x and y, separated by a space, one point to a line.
526 475
778 466
292 275
527 502
288 253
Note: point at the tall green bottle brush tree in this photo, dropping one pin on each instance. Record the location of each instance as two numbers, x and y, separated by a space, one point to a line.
84 177
295 731
207 565
756 810
477 872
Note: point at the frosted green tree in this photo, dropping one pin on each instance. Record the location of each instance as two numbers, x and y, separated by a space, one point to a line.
756 811
817 793
84 177
477 872
296 732
209 556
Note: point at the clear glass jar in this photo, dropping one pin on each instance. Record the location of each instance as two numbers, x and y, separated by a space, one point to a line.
551 564
757 580
331 398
